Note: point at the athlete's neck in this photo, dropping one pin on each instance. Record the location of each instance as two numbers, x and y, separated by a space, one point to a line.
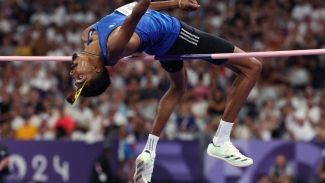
94 48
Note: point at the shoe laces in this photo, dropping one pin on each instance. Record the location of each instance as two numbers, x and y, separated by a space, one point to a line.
234 150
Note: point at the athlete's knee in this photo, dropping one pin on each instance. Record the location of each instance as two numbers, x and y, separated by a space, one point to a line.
255 67
179 82
179 90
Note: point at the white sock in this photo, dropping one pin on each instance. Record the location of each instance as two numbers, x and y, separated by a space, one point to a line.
151 145
223 133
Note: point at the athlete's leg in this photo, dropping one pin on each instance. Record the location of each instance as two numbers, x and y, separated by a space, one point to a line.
145 161
178 86
248 70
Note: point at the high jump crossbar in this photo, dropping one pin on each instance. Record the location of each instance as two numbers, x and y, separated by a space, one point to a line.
176 57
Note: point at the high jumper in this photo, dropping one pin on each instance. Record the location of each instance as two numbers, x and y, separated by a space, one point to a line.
139 27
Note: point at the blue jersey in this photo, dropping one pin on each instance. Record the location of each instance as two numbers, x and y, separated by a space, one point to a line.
157 32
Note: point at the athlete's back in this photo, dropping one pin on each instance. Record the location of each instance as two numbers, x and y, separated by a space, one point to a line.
157 31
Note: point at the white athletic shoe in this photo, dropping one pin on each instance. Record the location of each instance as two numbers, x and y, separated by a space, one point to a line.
230 154
144 168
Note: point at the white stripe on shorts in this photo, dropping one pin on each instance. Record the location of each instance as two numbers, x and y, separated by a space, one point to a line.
190 34
187 40
193 39
188 37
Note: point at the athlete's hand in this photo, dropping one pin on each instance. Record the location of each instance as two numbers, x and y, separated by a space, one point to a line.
188 5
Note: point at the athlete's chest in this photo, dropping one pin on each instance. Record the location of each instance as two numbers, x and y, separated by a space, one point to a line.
130 47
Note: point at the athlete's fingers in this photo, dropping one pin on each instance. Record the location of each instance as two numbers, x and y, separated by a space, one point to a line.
194 1
194 6
190 6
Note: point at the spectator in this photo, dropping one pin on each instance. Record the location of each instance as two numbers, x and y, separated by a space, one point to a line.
54 50
40 43
263 179
149 97
149 91
301 10
44 131
6 48
200 89
116 117
64 125
290 98
299 126
5 105
321 170
299 76
111 129
101 171
313 112
185 120
119 93
170 130
4 162
217 102
104 104
96 127
199 109
22 49
281 132
195 72
150 76
119 81
27 131
17 119
281 171
281 76
6 131
40 17
322 102
320 131
82 115
269 118
126 150
243 129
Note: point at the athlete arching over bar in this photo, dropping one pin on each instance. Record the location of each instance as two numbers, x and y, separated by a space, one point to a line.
138 27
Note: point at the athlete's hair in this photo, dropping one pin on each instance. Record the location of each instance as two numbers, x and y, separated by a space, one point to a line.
97 85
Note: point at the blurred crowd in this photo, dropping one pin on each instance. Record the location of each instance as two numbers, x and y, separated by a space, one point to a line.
287 103
283 171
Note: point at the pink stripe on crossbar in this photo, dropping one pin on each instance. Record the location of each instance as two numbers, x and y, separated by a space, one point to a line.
187 57
270 54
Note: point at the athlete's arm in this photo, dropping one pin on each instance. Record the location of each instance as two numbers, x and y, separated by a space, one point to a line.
116 48
187 5
163 5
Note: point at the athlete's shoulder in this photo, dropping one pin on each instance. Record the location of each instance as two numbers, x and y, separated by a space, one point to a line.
84 35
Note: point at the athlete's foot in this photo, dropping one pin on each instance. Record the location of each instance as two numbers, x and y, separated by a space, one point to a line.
144 168
229 153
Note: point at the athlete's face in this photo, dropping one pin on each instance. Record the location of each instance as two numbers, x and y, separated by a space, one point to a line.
90 76
83 68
